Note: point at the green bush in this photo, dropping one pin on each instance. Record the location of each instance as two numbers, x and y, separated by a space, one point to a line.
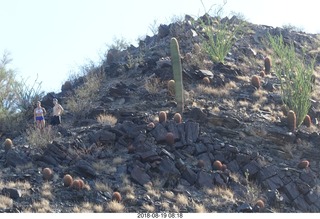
16 98
295 76
220 35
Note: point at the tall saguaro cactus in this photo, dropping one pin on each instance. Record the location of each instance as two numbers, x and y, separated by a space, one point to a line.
177 74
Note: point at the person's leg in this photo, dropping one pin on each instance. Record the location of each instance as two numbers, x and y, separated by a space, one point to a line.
38 124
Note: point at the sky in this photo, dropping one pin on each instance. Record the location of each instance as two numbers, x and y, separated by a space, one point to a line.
49 40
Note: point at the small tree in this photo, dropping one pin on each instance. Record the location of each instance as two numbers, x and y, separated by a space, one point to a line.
16 97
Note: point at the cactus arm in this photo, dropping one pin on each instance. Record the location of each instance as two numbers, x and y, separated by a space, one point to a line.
177 74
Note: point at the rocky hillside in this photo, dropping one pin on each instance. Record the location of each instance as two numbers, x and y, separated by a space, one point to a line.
232 151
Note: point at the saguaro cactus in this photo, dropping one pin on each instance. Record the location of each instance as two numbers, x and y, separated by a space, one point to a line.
177 74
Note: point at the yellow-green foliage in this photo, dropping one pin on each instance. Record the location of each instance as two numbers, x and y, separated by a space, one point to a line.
295 74
220 37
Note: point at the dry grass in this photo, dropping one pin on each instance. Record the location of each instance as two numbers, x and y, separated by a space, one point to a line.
153 85
84 95
152 192
221 196
110 168
104 167
169 195
182 200
253 193
229 103
42 206
148 208
24 187
199 208
260 93
5 202
40 138
46 191
165 206
244 78
115 207
103 187
175 208
127 189
117 160
107 119
130 197
23 168
100 166
87 207
215 92
215 109
244 103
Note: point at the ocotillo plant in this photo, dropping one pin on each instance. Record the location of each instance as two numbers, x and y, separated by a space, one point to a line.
177 74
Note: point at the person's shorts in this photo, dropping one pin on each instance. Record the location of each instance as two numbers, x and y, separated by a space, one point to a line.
55 120
39 118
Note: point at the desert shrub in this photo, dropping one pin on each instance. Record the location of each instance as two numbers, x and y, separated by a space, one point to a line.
295 76
27 96
220 35
153 85
40 138
84 96
107 119
16 98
